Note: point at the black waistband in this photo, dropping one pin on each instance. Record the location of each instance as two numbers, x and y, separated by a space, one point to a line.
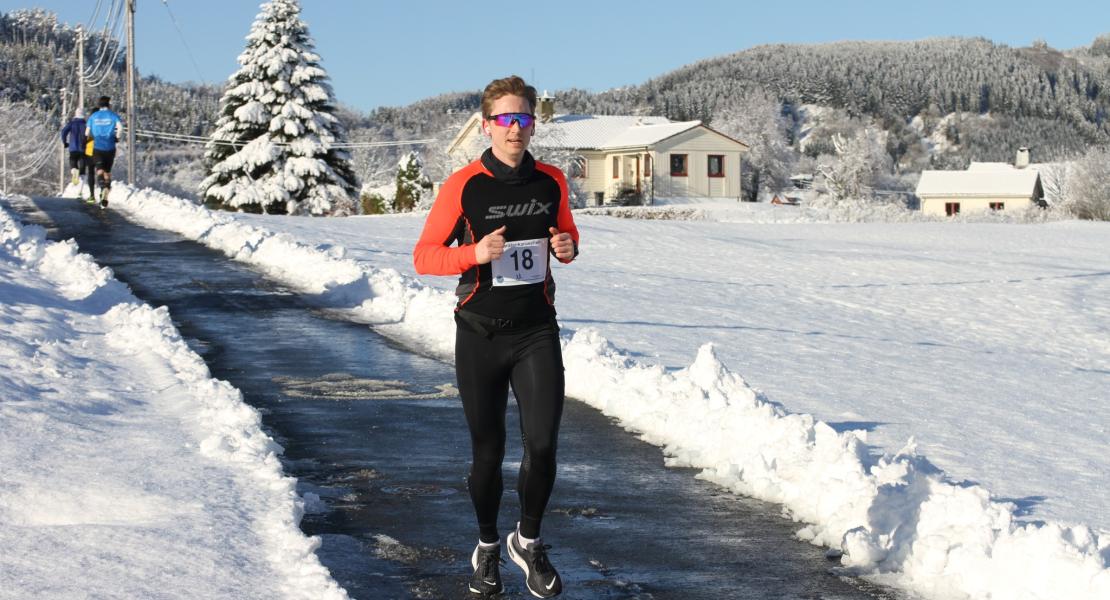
488 326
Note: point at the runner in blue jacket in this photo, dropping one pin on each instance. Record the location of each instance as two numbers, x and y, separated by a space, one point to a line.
104 127
73 137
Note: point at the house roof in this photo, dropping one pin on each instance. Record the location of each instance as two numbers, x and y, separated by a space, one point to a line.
1000 166
599 132
983 183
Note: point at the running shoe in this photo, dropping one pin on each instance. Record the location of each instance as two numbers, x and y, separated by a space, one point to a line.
486 562
540 577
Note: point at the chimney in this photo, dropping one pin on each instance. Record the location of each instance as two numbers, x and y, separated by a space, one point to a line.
547 107
1022 159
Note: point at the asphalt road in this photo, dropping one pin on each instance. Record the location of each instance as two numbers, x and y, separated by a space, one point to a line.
377 434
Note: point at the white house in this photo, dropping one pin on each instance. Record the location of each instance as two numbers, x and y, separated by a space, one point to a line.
607 157
983 187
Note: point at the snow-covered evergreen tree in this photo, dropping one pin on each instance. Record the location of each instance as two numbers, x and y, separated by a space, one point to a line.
274 145
413 186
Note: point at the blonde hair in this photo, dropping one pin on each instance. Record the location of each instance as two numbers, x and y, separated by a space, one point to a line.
508 86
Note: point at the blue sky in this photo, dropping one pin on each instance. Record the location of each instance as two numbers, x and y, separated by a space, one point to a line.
396 52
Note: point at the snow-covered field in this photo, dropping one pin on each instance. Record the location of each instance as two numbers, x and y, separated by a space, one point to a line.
985 344
128 472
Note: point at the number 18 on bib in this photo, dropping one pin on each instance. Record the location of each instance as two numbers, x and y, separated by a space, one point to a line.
524 262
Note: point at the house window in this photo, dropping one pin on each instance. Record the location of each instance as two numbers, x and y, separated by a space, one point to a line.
578 167
998 205
951 208
647 166
716 165
678 165
616 167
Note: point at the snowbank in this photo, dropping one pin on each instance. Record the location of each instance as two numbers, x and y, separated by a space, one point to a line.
895 517
129 470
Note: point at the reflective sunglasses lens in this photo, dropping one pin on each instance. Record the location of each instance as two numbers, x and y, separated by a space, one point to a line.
506 119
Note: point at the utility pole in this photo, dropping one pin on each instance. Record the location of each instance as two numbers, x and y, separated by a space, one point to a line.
62 163
80 68
131 92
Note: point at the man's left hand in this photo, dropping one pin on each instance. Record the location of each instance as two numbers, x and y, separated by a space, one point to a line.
561 244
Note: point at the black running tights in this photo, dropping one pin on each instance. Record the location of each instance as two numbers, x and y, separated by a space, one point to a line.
530 361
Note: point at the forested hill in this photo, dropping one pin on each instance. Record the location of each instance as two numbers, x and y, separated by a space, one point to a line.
1057 102
38 57
971 98
1038 96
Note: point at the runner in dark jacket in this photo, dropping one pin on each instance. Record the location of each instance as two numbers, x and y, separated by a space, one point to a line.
73 137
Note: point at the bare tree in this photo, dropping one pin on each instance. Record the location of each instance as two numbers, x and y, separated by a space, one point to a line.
1089 186
1055 182
859 162
30 148
550 146
756 119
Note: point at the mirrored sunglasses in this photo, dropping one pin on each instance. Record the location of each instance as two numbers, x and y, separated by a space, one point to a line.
525 120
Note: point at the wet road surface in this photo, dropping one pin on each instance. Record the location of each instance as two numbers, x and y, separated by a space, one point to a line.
377 433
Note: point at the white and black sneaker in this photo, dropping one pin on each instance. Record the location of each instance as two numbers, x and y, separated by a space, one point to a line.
486 561
540 577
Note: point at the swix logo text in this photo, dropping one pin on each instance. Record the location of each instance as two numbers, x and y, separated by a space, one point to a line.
519 210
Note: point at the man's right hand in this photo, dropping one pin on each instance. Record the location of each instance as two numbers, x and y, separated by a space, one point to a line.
491 247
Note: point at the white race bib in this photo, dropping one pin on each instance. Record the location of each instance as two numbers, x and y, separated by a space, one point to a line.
524 262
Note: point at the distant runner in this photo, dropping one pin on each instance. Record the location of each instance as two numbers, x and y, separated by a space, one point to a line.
104 128
508 214
90 171
73 137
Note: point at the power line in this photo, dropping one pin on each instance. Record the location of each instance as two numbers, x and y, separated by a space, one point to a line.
104 38
111 31
196 139
108 70
180 34
95 15
40 154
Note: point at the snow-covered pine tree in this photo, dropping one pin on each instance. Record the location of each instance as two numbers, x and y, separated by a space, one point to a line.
413 186
274 146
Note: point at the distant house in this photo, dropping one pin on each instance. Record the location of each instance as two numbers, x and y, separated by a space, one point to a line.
983 187
614 157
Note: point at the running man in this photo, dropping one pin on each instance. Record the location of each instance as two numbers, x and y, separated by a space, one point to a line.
509 214
73 137
104 129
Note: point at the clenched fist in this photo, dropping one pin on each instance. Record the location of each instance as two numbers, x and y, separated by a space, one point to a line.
491 247
561 244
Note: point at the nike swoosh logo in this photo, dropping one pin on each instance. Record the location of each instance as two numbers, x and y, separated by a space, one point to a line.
552 584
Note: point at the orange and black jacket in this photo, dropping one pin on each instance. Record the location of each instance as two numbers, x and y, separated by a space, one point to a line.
475 201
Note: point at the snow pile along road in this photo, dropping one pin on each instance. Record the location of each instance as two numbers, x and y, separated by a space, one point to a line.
896 518
128 470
